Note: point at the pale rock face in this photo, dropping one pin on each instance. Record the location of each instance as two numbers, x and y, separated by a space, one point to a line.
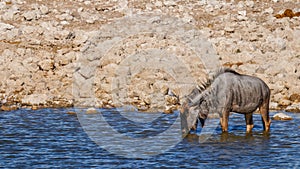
65 53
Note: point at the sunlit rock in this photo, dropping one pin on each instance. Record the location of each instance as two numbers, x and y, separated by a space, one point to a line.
281 116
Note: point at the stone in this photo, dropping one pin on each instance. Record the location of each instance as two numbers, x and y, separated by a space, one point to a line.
273 105
209 8
65 17
11 13
170 109
5 27
169 3
34 107
62 34
44 10
187 18
295 97
229 29
87 2
46 65
242 13
80 38
71 113
281 116
91 111
284 102
240 5
2 5
28 29
67 58
171 100
80 9
260 70
280 43
8 107
13 35
250 4
269 10
35 99
295 107
158 3
88 17
30 15
149 7
64 23
242 18
17 68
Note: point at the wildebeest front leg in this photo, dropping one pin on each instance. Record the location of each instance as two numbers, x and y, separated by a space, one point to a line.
224 120
249 121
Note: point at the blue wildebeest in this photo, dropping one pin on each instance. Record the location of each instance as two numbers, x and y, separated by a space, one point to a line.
228 91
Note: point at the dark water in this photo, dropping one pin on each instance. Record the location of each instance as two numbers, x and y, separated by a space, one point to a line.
51 138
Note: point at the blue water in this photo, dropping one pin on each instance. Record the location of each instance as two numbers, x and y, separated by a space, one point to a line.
51 138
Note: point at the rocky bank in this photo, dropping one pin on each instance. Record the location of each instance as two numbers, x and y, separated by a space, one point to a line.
94 53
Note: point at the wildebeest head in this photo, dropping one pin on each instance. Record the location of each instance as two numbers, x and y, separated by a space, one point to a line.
191 112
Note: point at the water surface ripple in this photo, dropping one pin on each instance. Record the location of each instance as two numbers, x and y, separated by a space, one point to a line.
51 138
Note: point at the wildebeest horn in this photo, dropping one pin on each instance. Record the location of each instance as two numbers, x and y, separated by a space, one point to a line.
196 100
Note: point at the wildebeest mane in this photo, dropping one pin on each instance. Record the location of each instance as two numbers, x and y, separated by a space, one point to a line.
204 85
200 88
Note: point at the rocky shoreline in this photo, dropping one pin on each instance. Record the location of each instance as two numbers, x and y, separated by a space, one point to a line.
76 53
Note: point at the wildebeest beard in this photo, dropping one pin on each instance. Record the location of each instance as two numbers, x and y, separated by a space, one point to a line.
195 109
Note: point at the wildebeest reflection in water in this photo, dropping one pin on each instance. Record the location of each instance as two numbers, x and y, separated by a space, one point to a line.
228 91
229 137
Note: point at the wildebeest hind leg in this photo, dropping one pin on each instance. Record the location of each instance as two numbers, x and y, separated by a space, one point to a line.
249 121
264 111
224 121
